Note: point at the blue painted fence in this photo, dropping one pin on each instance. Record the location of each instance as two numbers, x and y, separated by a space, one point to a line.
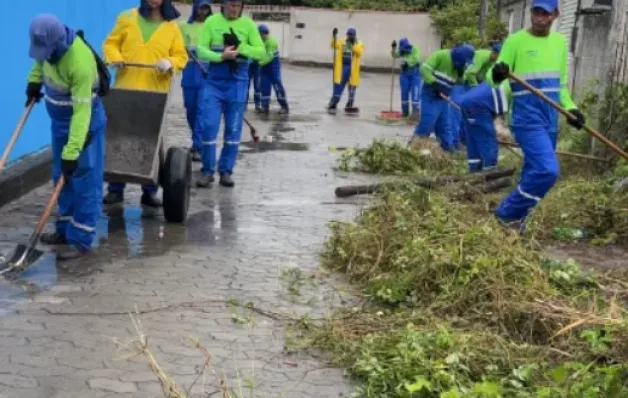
95 17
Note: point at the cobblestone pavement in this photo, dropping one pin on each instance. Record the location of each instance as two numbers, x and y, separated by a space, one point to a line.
58 321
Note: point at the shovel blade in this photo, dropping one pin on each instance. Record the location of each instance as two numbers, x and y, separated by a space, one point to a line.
22 257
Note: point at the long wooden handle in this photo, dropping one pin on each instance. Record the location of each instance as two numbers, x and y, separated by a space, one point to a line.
138 65
392 82
16 134
51 204
562 110
562 153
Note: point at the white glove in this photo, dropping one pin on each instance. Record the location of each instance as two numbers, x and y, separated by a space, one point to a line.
164 65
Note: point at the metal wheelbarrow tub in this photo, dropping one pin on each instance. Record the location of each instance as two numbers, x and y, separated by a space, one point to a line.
136 122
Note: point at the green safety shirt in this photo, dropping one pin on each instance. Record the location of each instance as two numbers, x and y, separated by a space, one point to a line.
147 27
439 69
542 63
272 51
481 64
412 59
211 46
191 33
72 81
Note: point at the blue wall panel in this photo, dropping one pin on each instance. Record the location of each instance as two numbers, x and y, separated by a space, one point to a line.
95 17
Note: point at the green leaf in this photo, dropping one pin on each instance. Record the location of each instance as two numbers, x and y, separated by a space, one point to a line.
419 384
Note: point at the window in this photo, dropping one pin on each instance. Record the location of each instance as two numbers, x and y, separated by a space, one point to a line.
511 20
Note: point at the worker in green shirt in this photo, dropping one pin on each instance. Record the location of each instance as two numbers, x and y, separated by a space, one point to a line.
410 76
538 55
228 42
193 76
270 73
65 68
441 71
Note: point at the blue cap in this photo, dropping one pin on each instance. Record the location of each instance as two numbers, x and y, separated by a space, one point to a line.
404 44
263 29
497 47
351 32
46 33
547 5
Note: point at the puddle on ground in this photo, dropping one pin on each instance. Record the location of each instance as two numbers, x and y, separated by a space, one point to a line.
293 117
275 145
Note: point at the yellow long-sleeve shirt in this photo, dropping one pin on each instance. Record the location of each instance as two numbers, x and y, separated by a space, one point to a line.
127 44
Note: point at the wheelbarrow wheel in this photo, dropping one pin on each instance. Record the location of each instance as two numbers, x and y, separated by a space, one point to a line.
176 178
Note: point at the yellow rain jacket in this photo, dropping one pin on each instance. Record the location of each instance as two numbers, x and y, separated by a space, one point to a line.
126 44
356 59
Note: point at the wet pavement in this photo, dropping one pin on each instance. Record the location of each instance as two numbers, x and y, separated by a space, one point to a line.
257 243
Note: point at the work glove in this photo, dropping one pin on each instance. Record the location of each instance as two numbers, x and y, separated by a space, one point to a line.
351 40
230 39
33 93
68 167
334 32
579 120
404 66
436 89
394 45
164 65
500 72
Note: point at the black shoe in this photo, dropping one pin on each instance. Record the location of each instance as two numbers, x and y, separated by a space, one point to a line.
113 197
264 111
332 105
205 181
196 155
52 238
150 199
226 180
284 111
258 109
70 252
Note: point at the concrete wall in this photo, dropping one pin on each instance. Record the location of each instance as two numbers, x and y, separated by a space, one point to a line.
96 18
376 29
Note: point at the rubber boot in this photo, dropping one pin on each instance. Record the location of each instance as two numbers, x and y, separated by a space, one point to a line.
284 111
205 181
333 103
150 199
52 238
113 198
70 252
226 180
196 155
518 226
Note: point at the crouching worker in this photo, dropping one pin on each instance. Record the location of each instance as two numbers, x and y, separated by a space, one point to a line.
193 79
66 69
270 73
148 34
480 106
228 42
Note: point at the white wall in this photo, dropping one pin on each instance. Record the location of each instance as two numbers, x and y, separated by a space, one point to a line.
376 29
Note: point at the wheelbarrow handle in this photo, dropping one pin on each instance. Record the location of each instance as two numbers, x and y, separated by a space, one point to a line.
16 134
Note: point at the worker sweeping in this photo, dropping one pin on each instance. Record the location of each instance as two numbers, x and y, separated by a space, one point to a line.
148 34
270 73
441 71
480 106
254 77
66 69
538 55
410 76
193 78
347 60
228 42
476 73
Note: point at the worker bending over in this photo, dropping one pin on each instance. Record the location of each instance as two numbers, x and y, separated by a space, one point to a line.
147 35
270 72
228 41
410 76
347 59
480 106
441 71
538 56
193 76
476 73
66 68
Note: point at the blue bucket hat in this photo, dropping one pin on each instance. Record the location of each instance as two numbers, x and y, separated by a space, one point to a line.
548 5
47 37
263 29
168 11
198 4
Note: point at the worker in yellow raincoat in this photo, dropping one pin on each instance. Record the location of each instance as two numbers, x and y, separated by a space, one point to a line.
347 59
150 35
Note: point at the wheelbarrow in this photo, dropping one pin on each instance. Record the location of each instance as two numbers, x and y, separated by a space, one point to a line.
135 148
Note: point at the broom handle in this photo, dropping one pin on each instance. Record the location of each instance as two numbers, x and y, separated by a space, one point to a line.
51 203
16 134
562 110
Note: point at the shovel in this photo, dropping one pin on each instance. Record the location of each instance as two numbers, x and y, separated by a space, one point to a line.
204 72
16 134
26 254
